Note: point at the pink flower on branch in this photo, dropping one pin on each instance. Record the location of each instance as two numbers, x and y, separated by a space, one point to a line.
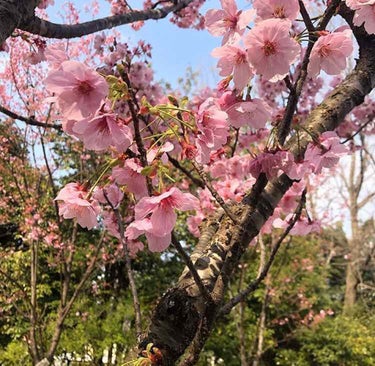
327 153
233 59
79 91
330 53
302 227
365 15
283 9
75 205
272 164
270 50
155 217
130 175
213 129
228 22
161 208
356 4
156 243
109 195
254 113
102 131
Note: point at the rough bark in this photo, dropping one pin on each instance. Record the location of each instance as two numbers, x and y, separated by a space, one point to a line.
261 329
354 184
182 317
13 13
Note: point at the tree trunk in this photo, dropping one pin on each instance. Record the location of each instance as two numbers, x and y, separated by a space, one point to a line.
351 284
261 329
184 317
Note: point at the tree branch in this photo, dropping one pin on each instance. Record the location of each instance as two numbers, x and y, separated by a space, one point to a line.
284 128
51 30
306 17
371 120
217 197
223 243
198 182
263 273
191 267
64 311
366 200
28 120
129 270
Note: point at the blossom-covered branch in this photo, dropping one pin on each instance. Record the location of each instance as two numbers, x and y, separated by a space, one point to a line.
227 242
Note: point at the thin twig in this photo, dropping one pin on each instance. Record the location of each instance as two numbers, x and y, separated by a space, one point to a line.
54 190
284 127
33 299
214 193
192 269
176 164
234 147
306 17
28 120
17 284
65 309
137 131
133 287
254 285
371 120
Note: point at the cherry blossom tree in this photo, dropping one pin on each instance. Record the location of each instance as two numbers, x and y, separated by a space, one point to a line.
236 158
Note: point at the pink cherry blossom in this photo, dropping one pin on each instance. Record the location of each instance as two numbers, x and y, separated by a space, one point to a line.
193 223
235 167
110 223
283 9
270 50
365 15
55 55
37 56
76 205
213 129
356 4
327 153
79 91
102 131
227 99
160 150
161 208
254 113
130 175
268 226
67 126
134 246
228 22
301 227
330 53
272 164
156 243
233 59
110 193
297 170
231 189
290 200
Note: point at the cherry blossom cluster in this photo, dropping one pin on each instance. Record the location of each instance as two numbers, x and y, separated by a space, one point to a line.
228 133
